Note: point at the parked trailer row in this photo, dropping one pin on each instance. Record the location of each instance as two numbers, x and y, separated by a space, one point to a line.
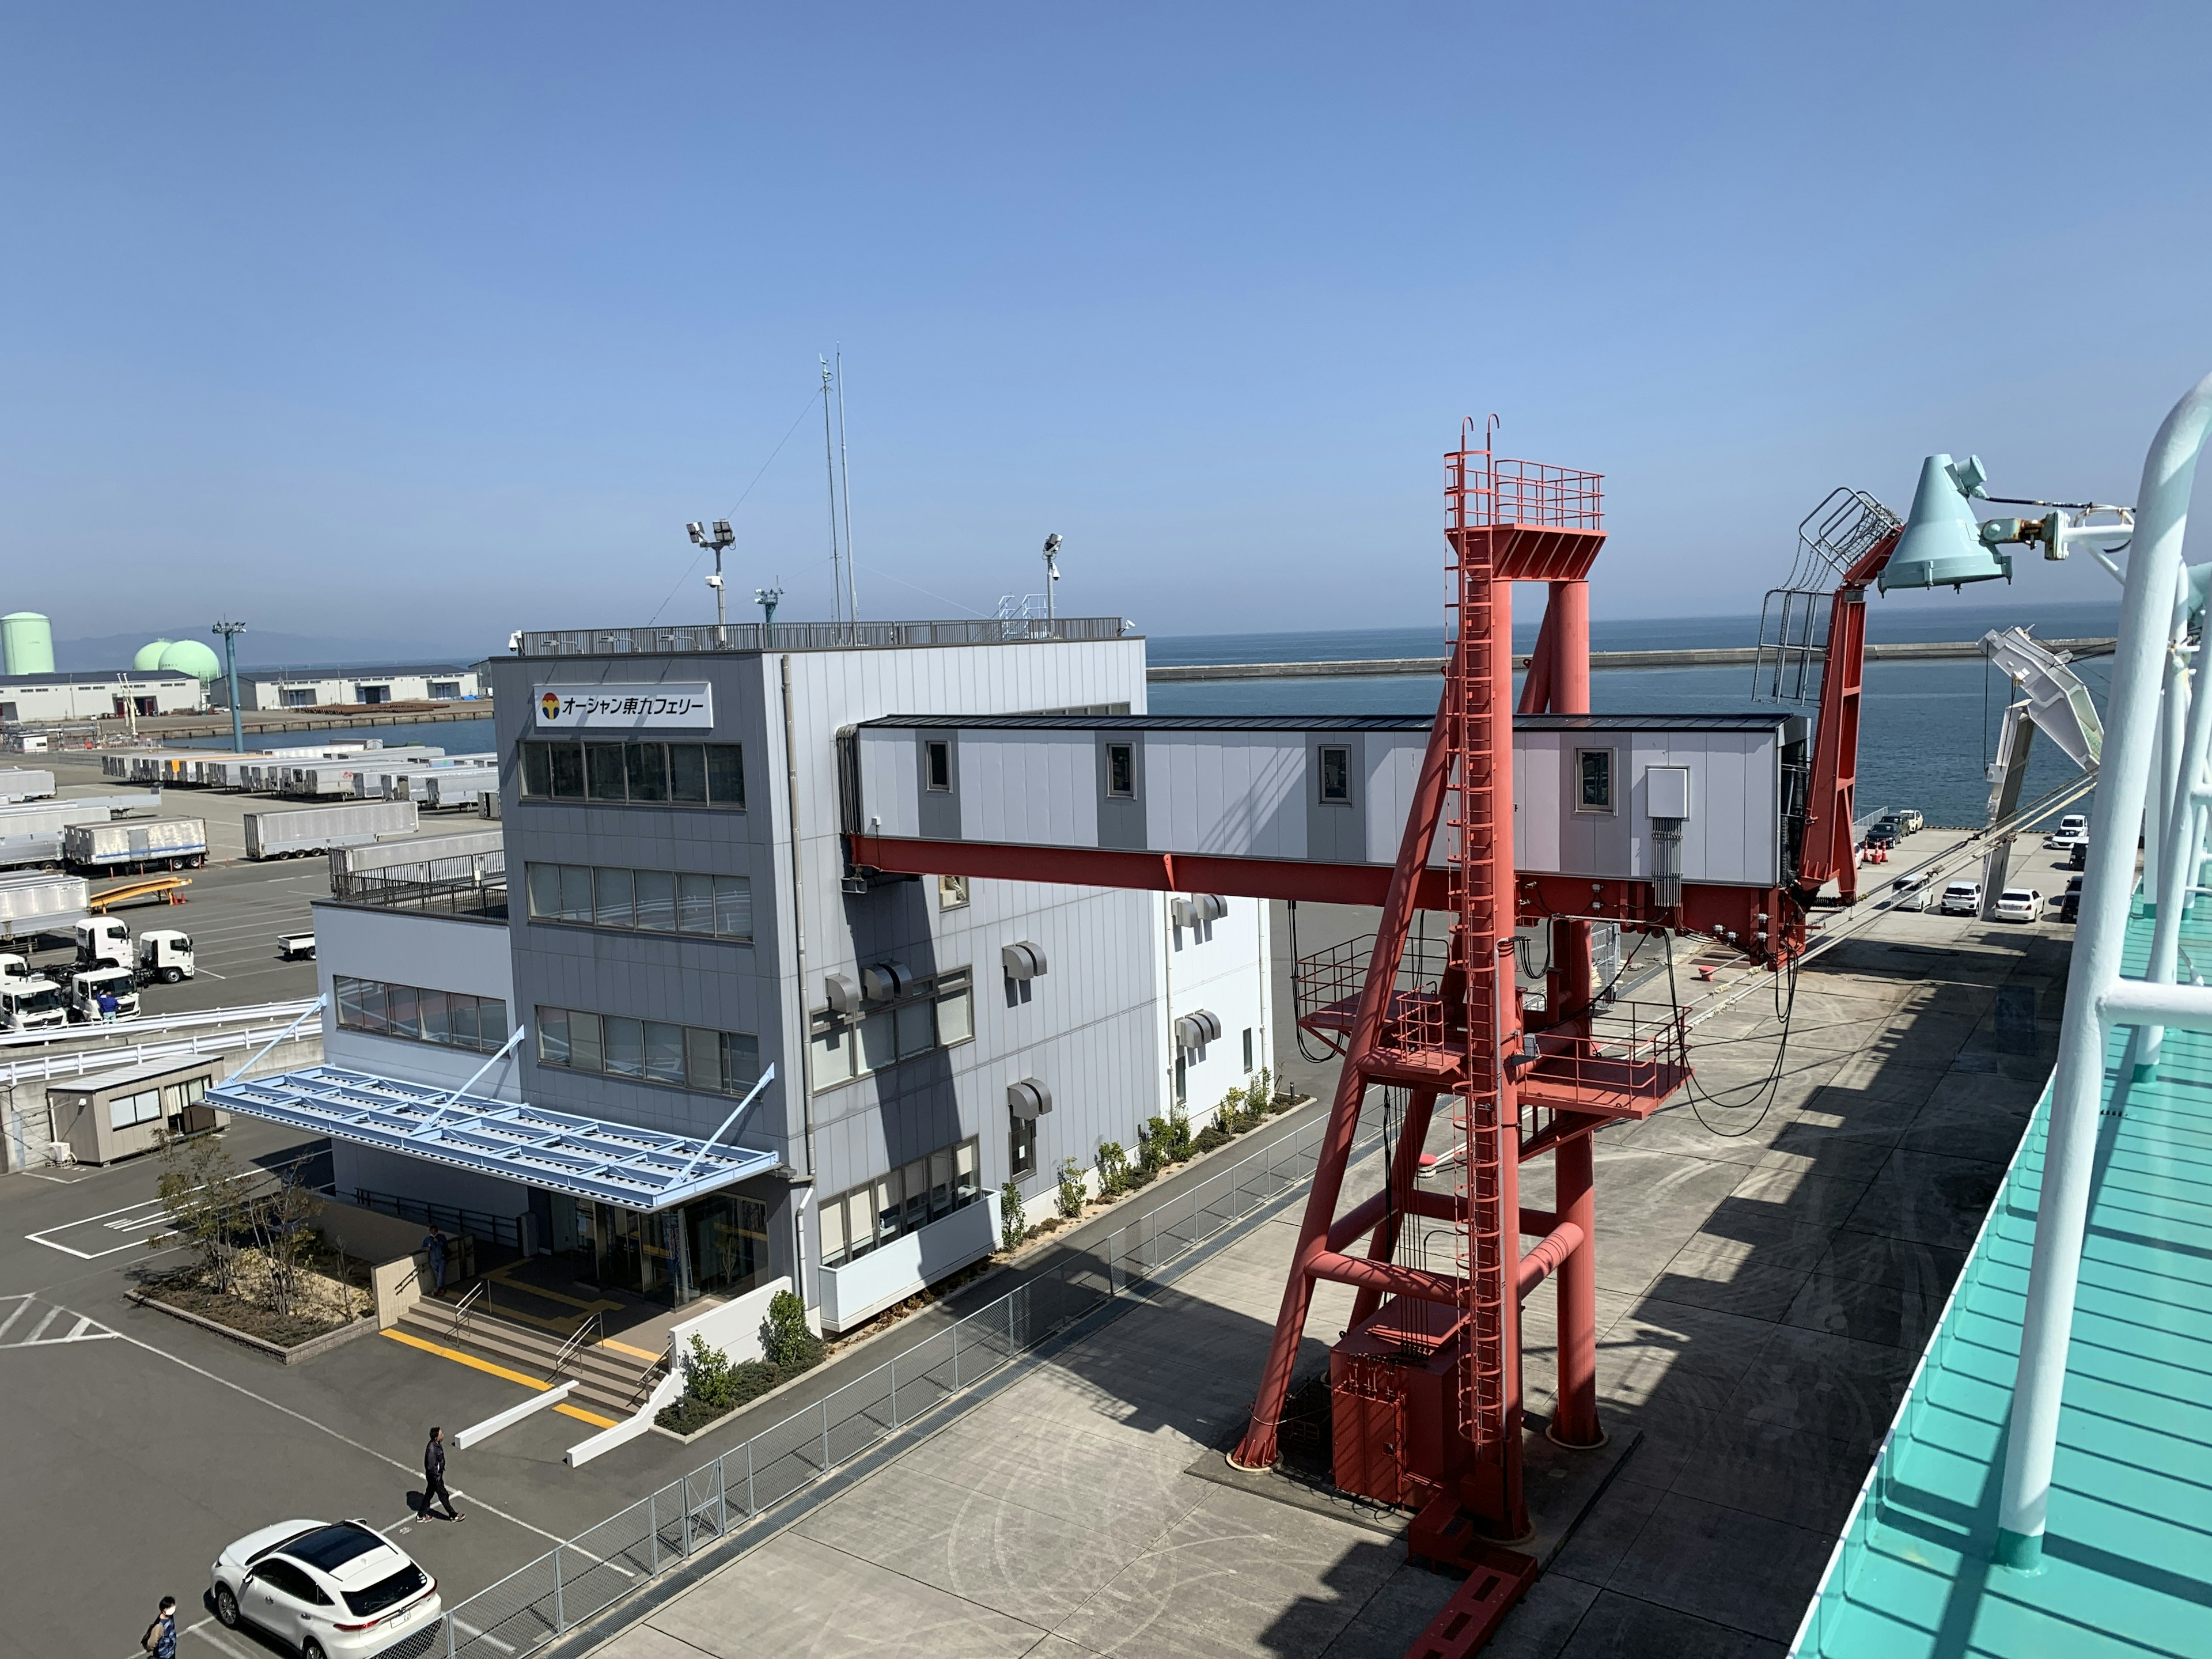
301 830
32 834
131 844
261 769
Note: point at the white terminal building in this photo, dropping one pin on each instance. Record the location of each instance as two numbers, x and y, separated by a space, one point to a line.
30 699
680 920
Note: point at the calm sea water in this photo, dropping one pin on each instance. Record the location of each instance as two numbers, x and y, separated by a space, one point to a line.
1926 732
1926 735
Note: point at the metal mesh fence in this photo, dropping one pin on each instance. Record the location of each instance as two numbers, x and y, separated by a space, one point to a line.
583 1578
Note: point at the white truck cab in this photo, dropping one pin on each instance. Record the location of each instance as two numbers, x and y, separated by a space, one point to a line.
103 940
86 989
30 1002
164 954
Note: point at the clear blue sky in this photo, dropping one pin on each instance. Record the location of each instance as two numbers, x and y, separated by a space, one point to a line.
425 323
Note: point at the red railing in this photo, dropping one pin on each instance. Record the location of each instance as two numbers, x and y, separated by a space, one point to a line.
1621 1061
1482 488
1325 988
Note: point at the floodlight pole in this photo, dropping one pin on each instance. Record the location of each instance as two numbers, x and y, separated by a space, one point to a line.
230 631
1051 576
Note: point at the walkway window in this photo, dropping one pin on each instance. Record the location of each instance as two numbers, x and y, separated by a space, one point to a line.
938 1013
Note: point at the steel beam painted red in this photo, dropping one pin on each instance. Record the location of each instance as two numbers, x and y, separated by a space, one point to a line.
1153 872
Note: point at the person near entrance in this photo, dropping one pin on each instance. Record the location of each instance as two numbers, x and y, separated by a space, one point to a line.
161 1637
435 1244
433 1477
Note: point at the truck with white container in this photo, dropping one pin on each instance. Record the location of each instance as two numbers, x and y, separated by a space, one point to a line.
298 830
18 783
133 844
34 903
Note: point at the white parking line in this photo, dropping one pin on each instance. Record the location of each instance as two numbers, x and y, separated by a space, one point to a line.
135 1215
22 1305
476 1635
83 1330
208 1636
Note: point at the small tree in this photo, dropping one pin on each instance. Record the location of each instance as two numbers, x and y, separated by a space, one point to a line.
1263 1091
1072 1193
200 1192
282 1225
786 1342
1113 1168
1014 1226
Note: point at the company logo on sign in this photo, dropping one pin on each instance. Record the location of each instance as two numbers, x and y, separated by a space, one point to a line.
688 707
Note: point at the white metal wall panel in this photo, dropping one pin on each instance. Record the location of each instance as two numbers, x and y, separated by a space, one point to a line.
1028 789
1393 767
1236 794
1733 834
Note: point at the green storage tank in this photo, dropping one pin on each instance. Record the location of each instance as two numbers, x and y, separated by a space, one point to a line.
150 655
191 656
27 642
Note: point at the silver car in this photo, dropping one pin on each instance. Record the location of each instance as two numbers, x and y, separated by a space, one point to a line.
331 1590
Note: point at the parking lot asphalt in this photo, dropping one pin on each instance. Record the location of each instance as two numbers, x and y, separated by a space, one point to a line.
137 1446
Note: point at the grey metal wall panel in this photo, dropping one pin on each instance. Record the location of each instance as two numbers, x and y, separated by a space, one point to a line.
1121 821
1023 791
1336 832
1733 835
937 812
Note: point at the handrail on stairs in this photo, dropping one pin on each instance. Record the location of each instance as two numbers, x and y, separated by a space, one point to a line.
588 1331
465 1308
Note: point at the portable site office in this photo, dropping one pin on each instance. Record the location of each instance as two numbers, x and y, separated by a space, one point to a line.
116 1115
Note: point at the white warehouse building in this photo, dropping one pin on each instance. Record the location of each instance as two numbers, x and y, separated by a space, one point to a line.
34 699
322 688
681 929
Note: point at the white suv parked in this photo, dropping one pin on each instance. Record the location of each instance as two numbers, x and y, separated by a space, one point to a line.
1962 898
332 1590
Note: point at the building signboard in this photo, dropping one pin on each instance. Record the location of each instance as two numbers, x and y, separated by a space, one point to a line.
688 706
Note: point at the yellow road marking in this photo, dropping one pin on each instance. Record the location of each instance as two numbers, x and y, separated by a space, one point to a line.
624 1347
473 1362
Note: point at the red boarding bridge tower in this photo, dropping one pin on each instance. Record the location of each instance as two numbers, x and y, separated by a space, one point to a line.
1426 1381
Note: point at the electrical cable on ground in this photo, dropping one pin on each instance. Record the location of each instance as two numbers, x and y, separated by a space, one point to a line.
1305 1054
1770 1086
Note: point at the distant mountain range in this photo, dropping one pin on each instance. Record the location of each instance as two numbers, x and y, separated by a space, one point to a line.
111 651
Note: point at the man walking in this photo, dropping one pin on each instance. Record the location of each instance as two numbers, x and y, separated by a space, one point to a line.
433 1477
433 1245
161 1637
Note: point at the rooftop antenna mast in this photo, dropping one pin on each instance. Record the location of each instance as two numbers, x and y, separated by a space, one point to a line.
768 599
1051 575
829 466
845 479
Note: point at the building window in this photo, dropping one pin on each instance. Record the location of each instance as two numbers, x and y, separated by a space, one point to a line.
1021 1146
649 1051
642 773
1181 1078
453 1019
295 697
1593 780
1247 1050
1336 775
952 892
642 901
909 1199
938 1013
940 768
444 690
1121 771
130 1111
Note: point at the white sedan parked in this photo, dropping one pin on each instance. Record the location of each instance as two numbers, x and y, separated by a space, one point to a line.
333 1590
2019 904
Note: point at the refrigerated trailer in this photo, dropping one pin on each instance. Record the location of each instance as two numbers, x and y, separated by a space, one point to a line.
134 844
17 783
35 903
31 834
469 856
301 829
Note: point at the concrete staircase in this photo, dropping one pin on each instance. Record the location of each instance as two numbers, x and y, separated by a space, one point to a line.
608 1380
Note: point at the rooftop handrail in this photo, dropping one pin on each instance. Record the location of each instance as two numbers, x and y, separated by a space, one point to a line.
814 636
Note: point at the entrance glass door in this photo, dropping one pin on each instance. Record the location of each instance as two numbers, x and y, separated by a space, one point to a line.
641 1255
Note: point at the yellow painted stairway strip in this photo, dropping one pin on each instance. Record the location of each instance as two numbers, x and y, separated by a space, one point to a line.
486 1365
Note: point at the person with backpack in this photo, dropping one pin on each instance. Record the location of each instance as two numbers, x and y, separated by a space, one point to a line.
161 1637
